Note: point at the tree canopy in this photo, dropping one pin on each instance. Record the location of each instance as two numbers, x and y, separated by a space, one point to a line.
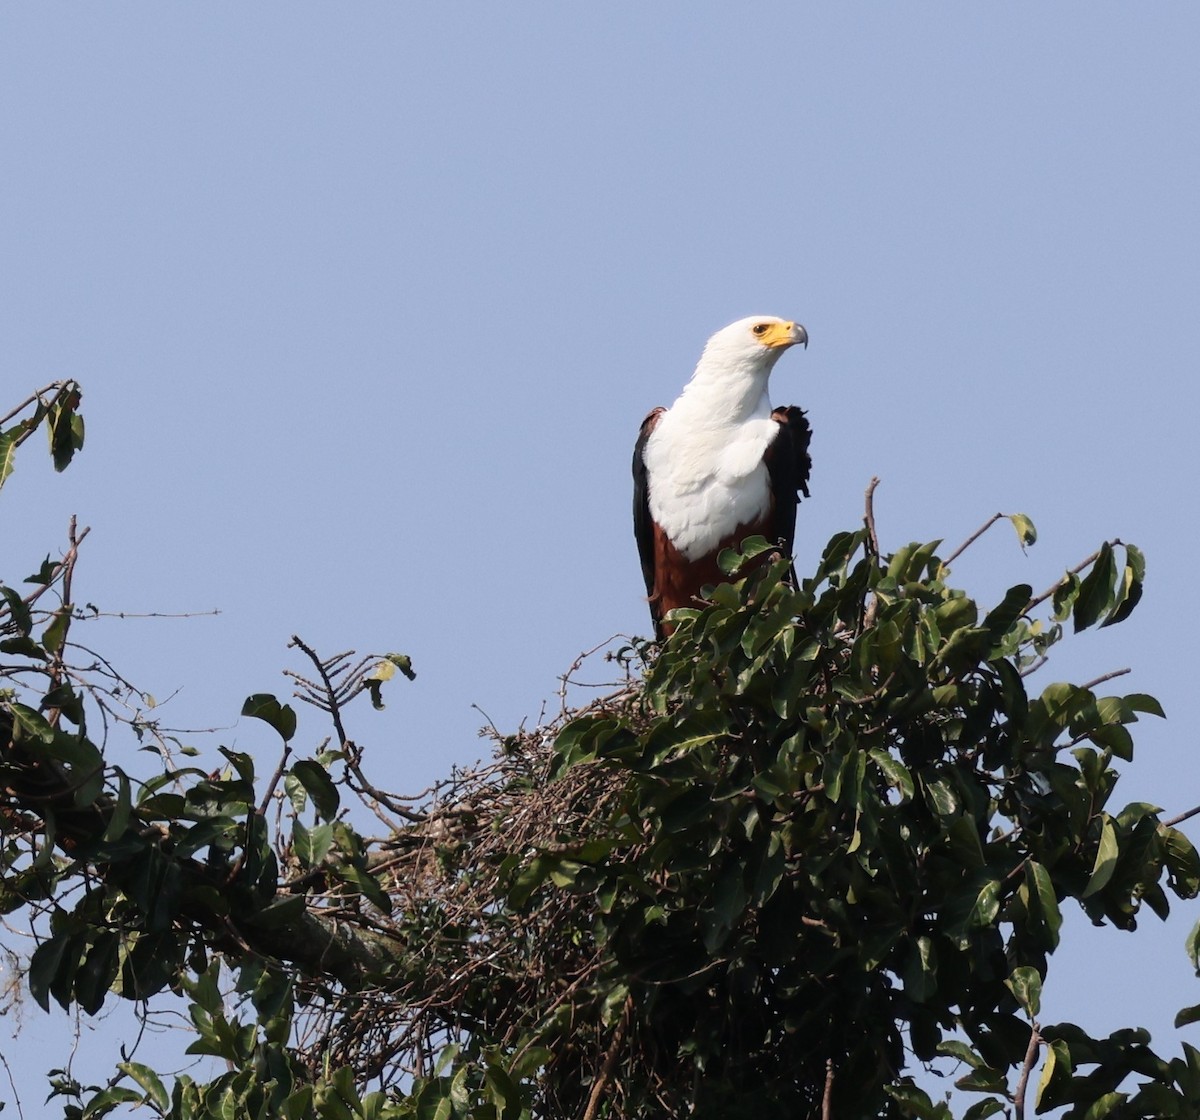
818 841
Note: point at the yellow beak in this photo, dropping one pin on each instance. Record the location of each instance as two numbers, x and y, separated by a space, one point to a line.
780 335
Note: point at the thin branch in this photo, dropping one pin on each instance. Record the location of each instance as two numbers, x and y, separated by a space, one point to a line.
872 608
270 790
54 387
610 1061
13 1086
869 515
1070 572
565 681
67 567
1181 818
334 709
827 1095
1031 1053
1106 677
973 538
59 568
94 612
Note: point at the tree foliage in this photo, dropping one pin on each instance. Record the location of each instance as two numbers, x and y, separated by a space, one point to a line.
821 838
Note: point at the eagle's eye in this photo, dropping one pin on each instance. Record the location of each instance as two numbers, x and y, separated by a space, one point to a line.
760 328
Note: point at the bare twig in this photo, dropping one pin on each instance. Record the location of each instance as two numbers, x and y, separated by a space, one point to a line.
1031 1053
1070 572
329 696
1105 677
270 790
565 681
610 1061
872 607
67 568
973 538
55 387
13 1085
95 612
869 515
827 1095
1181 818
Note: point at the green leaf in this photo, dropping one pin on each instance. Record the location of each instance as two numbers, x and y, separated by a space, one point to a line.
150 1082
384 670
45 966
731 560
312 845
941 798
56 631
361 878
1000 619
65 426
9 442
18 610
264 706
1047 900
1192 946
1188 1015
894 771
1025 983
1026 533
1107 853
1129 587
1140 702
119 817
914 1100
319 786
955 1048
97 972
972 909
1105 1106
32 724
108 1099
1056 1071
23 646
45 574
989 1106
402 662
987 905
1096 591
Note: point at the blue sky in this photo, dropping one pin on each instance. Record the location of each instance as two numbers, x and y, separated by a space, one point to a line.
368 303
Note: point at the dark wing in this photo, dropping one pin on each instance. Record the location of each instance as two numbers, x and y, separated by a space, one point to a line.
643 527
789 465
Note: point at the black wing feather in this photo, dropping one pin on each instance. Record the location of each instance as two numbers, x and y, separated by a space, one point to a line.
643 527
789 465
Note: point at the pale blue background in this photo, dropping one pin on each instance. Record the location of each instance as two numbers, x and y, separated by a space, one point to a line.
369 300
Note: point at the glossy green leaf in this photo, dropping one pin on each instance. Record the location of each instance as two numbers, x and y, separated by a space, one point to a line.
1096 594
1187 1015
1046 898
319 786
56 630
1129 587
150 1083
1107 854
989 1106
18 611
1026 986
264 706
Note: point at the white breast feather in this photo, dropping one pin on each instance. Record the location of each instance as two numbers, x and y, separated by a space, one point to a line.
707 479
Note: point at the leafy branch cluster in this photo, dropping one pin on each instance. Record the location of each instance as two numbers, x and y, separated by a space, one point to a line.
821 837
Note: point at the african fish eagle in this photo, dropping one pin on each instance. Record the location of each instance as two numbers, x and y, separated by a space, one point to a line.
719 465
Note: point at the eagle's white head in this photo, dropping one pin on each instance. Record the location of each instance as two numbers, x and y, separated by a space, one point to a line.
732 374
756 341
